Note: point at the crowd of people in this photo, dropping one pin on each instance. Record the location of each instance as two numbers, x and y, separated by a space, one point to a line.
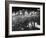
25 23
24 13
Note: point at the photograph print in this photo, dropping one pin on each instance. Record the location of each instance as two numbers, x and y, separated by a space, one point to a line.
25 19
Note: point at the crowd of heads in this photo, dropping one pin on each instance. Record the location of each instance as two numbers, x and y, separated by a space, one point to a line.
25 12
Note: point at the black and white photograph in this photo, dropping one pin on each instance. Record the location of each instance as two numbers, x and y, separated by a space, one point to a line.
25 19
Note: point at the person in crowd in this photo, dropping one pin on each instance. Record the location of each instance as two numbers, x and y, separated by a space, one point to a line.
21 12
13 14
26 13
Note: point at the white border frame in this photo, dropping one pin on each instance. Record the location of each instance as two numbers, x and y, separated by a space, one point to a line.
25 32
